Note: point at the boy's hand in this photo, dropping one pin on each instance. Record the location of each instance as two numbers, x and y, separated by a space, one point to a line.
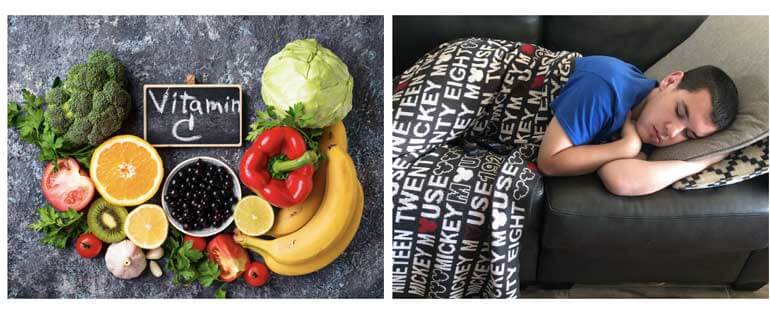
632 141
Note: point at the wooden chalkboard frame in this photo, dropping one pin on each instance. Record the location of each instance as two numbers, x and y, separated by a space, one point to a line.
240 112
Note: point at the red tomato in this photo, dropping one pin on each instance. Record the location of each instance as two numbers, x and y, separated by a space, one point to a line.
231 257
88 245
69 187
197 243
256 274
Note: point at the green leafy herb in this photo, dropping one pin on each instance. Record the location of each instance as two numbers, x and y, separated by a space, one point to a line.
29 119
58 228
188 265
83 155
221 292
13 113
207 273
295 117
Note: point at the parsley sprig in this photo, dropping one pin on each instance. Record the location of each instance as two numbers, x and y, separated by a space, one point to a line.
58 228
188 265
221 292
29 119
296 117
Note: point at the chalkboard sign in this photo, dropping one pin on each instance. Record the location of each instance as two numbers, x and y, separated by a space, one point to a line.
193 115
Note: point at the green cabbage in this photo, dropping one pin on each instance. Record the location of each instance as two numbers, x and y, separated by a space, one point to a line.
306 72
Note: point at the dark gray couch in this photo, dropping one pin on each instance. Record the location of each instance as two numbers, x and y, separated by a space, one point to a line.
577 232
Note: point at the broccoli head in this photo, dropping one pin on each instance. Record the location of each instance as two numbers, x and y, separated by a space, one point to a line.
57 119
56 96
92 103
112 67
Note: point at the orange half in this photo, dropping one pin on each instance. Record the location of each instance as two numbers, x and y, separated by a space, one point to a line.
126 170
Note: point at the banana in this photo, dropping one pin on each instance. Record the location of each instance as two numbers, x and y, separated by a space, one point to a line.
322 259
290 219
328 224
334 135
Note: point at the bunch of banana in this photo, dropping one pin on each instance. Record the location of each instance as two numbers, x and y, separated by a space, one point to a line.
332 225
290 219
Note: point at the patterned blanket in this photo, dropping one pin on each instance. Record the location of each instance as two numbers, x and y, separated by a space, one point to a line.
468 119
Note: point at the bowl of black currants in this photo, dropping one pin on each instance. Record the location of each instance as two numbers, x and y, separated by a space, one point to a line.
199 196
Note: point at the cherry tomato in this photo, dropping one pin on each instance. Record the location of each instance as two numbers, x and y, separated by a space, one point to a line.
256 274
69 187
88 245
197 243
231 257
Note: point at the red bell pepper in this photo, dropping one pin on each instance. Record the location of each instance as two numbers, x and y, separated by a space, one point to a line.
279 167
229 256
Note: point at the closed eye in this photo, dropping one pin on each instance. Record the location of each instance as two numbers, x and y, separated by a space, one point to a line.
683 113
681 110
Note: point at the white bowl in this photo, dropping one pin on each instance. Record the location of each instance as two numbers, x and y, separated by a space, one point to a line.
210 230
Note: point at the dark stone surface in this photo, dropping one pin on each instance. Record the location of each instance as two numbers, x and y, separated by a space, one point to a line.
160 49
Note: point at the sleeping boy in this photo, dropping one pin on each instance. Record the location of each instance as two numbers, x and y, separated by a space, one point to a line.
584 114
605 96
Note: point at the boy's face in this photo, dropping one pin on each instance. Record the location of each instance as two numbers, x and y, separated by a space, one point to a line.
670 115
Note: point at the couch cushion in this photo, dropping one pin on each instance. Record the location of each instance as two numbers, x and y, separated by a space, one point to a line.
580 213
737 45
632 265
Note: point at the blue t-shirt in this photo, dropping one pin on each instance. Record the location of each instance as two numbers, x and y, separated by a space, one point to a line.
598 96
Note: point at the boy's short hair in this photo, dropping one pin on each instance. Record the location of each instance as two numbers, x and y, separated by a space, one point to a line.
724 94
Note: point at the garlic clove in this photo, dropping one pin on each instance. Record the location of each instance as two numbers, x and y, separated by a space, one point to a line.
155 269
155 254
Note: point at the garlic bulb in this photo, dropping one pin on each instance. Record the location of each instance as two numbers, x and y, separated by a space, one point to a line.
125 260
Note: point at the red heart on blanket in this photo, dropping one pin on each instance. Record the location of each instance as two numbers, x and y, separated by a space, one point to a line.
538 82
427 226
532 166
527 49
401 86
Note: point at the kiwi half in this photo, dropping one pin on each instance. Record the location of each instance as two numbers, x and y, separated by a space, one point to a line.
106 221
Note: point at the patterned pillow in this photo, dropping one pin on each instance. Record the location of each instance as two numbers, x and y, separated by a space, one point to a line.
741 165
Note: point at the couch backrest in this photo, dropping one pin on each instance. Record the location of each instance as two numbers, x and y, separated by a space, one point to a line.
414 35
639 40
